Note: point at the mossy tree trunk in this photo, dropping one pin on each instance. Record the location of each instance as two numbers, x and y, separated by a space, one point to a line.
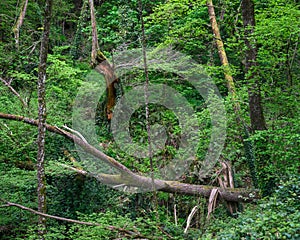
41 189
249 150
222 55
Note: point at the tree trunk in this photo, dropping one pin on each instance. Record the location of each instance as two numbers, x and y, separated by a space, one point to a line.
19 22
95 44
221 50
102 65
254 96
127 178
41 190
249 151
258 122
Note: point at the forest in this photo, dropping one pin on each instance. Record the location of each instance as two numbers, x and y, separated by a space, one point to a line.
139 119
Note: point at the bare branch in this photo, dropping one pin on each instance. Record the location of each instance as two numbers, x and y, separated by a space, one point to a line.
110 227
190 217
175 215
10 204
14 92
76 132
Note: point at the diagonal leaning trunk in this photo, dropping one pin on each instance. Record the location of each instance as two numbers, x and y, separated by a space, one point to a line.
222 53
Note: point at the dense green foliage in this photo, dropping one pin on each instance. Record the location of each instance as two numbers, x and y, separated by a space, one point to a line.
185 26
274 218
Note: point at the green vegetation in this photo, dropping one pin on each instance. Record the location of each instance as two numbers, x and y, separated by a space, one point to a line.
266 158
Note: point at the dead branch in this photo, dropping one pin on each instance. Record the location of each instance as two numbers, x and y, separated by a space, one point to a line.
189 219
10 204
212 202
14 92
110 227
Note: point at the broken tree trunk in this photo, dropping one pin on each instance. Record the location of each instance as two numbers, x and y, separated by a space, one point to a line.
131 179
104 67
101 64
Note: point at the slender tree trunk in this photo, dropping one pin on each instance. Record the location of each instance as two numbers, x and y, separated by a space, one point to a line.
19 22
95 43
254 96
42 119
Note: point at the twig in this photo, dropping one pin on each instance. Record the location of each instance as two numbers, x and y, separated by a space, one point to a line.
33 47
164 232
175 215
74 169
76 132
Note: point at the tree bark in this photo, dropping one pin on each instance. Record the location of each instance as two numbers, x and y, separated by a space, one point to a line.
257 118
256 110
131 179
41 189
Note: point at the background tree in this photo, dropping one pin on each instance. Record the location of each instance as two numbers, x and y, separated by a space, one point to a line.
19 22
255 105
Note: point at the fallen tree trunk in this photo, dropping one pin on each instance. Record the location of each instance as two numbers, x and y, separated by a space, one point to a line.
127 178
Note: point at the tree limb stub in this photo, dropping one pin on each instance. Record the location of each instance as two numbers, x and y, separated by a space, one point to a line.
131 179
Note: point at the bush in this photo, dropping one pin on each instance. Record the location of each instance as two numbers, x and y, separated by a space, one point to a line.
277 217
